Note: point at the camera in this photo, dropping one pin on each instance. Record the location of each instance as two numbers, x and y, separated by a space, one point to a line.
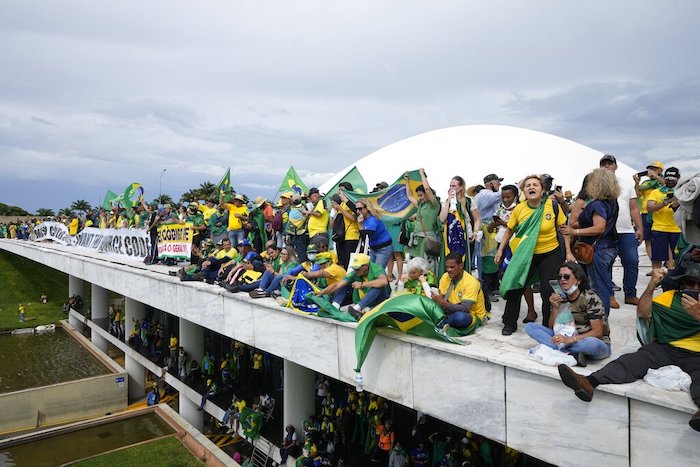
643 173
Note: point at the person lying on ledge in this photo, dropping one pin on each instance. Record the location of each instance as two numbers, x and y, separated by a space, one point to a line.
674 329
460 297
581 313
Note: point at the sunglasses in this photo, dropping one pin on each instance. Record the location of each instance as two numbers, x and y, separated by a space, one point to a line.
566 277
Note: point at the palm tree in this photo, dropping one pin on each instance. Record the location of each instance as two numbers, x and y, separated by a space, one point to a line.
189 196
66 212
81 206
207 190
164 199
44 212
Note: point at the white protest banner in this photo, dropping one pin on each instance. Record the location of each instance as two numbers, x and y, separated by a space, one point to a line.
52 231
127 243
175 241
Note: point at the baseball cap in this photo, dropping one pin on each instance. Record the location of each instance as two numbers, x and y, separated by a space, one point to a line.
314 190
655 165
359 260
244 242
311 249
492 177
607 158
672 172
239 198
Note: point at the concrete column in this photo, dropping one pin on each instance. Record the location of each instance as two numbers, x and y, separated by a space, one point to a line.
135 310
192 339
189 411
137 378
99 305
76 287
299 393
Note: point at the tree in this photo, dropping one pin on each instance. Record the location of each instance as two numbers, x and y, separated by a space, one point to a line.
66 212
44 212
81 206
7 210
189 196
208 190
164 199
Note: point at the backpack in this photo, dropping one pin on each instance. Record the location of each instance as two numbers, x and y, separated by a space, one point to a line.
278 220
338 232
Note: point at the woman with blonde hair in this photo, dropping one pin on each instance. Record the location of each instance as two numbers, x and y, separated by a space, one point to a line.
455 216
596 226
537 250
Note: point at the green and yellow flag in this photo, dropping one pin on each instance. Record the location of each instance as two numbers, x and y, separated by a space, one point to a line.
132 195
669 320
225 183
354 177
109 198
251 422
292 182
391 204
523 246
409 313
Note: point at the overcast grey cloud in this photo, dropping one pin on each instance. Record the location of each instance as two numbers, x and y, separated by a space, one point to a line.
95 95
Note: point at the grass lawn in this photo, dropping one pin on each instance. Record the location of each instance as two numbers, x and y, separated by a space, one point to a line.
167 451
23 281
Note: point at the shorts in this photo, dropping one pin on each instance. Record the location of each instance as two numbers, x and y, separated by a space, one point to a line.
660 243
646 222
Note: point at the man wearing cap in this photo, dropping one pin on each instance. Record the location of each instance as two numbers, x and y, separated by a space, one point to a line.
329 272
487 202
665 233
317 214
218 224
215 264
674 329
257 220
247 260
366 280
237 215
297 227
195 218
656 180
153 222
628 239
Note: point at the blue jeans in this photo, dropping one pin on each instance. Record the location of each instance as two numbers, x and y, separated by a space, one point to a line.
591 347
627 250
600 273
372 298
249 287
381 256
458 319
236 236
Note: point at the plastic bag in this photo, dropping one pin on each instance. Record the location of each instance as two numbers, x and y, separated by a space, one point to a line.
548 356
670 378
565 325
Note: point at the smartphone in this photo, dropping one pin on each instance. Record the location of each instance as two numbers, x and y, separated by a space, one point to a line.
669 195
691 293
557 288
557 188
643 173
496 218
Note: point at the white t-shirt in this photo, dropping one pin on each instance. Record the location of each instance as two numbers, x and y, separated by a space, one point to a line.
624 218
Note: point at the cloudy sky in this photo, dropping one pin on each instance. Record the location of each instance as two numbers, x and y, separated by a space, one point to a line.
95 95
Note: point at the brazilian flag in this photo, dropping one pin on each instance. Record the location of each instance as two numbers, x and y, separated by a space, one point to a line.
669 320
391 204
409 313
251 422
302 298
355 178
292 182
225 183
523 245
110 197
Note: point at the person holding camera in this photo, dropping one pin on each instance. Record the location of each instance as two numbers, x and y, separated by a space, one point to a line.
662 204
655 180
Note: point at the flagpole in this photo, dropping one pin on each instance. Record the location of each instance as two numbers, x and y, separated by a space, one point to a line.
160 187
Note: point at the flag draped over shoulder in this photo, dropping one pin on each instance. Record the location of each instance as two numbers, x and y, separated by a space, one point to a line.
302 298
251 422
391 204
409 313
523 246
109 198
292 182
225 182
355 178
669 320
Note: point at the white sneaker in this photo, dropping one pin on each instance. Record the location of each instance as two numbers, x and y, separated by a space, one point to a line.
336 304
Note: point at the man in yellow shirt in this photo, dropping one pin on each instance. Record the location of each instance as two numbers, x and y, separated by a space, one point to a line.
664 231
237 215
674 330
460 296
317 215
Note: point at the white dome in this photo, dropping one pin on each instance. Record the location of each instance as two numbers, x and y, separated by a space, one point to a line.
474 151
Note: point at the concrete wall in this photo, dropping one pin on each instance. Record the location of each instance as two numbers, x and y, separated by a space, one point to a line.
483 387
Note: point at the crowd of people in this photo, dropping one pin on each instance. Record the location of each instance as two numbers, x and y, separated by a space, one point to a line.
482 244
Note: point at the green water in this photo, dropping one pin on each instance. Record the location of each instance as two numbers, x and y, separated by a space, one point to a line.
35 360
70 447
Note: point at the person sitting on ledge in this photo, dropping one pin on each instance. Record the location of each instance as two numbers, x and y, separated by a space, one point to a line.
420 278
591 338
214 265
674 329
236 271
461 297
366 280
